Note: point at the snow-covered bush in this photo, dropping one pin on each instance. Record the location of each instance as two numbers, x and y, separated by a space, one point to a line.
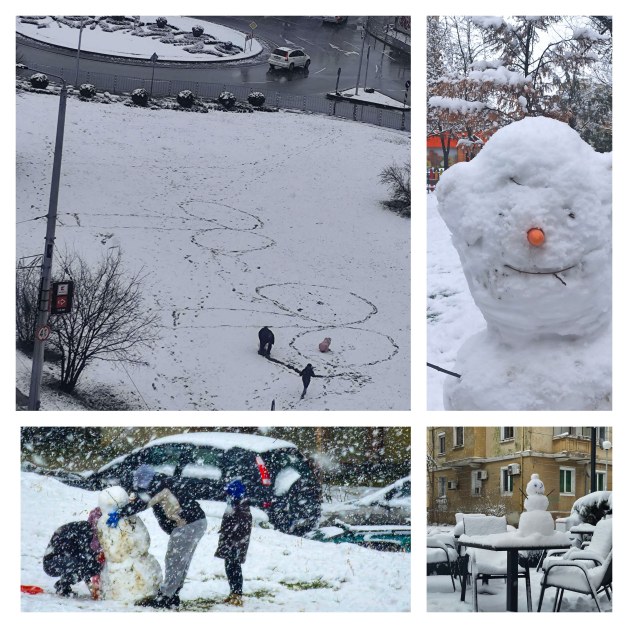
140 96
227 100
39 80
197 30
593 507
397 178
257 99
161 22
186 98
87 90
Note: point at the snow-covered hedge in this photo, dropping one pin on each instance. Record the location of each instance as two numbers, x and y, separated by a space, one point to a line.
186 98
39 80
227 100
140 96
257 99
87 90
197 30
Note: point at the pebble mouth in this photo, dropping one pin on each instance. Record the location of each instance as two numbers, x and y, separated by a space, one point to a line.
543 272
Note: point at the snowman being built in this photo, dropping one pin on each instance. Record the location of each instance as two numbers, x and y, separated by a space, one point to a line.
530 217
536 519
130 572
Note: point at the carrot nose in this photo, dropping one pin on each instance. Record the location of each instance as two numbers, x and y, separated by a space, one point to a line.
536 237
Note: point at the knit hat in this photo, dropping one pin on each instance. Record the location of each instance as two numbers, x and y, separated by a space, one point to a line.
236 489
143 476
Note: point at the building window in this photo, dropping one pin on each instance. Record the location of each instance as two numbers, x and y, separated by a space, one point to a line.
458 436
600 481
442 487
506 482
441 444
567 481
507 433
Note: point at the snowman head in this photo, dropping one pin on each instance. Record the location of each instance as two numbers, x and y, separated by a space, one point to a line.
535 485
530 217
112 498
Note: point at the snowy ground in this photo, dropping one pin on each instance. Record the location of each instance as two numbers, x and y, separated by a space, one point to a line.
452 315
123 44
241 220
492 597
282 572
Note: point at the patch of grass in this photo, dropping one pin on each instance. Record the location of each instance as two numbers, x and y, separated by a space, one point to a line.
305 586
261 593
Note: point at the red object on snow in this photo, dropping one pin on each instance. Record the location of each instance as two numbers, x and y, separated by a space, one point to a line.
31 589
324 346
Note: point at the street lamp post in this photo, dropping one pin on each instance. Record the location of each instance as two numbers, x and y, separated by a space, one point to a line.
606 445
153 58
42 331
357 82
78 54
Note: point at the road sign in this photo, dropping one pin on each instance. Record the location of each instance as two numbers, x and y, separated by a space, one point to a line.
62 293
42 332
252 25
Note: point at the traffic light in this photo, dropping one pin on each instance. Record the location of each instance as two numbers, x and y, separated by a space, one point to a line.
62 293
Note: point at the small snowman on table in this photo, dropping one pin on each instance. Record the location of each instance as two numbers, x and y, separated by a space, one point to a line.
530 217
130 572
536 519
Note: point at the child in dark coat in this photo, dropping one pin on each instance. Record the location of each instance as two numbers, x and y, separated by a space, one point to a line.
234 537
74 555
306 375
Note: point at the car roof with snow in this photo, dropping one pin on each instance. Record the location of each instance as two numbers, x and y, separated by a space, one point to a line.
220 440
377 495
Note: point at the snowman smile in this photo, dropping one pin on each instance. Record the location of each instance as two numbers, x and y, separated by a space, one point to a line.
543 272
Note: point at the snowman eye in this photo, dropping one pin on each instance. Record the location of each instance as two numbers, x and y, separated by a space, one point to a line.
571 215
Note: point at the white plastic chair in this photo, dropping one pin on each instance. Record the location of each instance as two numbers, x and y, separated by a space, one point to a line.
594 552
441 550
575 575
486 564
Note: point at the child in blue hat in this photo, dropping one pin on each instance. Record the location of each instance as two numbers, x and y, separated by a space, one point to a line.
234 537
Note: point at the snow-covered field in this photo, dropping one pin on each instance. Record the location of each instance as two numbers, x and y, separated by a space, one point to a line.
282 572
241 220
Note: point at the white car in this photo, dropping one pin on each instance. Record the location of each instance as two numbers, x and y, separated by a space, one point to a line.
289 58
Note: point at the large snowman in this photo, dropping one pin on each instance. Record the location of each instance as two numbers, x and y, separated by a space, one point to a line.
536 519
130 572
530 217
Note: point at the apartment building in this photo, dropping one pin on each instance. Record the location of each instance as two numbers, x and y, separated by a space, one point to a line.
486 469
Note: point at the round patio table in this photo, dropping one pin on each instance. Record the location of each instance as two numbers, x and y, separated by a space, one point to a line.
512 543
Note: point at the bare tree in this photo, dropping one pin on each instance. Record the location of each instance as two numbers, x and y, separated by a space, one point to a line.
398 180
107 321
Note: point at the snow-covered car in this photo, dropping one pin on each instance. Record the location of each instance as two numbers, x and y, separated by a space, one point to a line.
278 477
335 19
387 506
383 538
289 59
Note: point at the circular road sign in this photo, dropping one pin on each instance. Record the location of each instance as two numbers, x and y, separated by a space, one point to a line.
42 332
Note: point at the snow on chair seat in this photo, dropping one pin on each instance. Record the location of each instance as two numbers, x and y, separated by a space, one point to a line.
574 575
441 551
488 564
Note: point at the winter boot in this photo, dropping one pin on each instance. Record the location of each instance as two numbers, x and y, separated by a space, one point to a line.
63 588
160 601
235 599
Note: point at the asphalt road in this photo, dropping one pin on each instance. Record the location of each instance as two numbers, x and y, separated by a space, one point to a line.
330 47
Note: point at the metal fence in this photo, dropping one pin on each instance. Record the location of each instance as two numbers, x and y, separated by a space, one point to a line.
124 85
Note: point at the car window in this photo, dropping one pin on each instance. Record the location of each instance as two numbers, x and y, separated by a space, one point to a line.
204 463
163 458
279 52
278 459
